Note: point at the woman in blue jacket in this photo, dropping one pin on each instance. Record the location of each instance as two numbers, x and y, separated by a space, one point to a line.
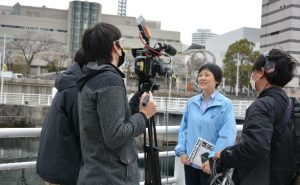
209 116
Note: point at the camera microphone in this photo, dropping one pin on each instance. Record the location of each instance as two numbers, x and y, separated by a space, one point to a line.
144 30
169 49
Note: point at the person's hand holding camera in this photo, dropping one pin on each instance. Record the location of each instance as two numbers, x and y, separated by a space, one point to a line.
147 107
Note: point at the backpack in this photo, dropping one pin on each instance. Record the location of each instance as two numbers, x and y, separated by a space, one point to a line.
292 117
295 118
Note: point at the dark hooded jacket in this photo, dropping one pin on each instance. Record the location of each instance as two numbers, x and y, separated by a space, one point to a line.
263 157
59 157
107 128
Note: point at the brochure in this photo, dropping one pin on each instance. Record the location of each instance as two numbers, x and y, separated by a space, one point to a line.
201 151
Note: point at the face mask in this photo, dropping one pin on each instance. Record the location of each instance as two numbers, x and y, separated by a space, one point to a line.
252 82
121 58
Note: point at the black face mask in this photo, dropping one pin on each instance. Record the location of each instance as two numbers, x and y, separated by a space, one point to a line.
121 59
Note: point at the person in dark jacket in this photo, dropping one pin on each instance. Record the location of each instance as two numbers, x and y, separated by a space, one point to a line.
264 156
107 126
59 156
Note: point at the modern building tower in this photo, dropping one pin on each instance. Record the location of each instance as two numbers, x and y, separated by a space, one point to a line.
201 36
82 15
280 28
122 7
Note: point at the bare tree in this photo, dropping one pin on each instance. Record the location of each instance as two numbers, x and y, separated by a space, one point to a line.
57 59
30 45
10 58
129 67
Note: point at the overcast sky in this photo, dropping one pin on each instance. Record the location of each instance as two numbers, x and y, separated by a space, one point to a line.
185 16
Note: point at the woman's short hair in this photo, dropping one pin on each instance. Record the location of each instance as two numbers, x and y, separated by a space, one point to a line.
215 70
279 66
97 42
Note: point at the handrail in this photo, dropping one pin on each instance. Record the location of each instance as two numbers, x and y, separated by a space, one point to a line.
31 164
24 98
19 132
35 132
172 105
178 178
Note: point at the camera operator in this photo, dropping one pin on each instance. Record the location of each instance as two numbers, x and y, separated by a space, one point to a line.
107 127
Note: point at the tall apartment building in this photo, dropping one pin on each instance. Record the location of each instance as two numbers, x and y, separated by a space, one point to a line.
280 25
280 28
122 7
67 26
81 15
201 36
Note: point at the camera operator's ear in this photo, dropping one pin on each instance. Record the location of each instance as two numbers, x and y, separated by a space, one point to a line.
117 49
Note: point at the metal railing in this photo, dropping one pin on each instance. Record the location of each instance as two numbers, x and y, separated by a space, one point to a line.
22 99
177 179
173 105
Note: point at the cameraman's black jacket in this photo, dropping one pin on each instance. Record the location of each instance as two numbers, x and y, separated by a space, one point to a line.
59 156
263 157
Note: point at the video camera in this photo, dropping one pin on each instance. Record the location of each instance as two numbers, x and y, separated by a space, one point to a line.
148 61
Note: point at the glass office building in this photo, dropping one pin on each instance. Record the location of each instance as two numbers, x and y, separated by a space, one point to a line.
82 15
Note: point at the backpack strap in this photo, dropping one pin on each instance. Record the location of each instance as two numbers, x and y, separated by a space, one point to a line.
282 124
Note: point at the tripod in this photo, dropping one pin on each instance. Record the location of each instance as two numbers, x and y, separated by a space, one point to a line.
151 152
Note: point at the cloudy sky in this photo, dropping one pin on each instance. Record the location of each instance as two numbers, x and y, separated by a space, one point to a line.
185 16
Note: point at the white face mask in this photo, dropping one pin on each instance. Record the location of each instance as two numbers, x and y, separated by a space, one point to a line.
252 82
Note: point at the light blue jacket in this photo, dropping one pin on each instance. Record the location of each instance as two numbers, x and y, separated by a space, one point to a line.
216 124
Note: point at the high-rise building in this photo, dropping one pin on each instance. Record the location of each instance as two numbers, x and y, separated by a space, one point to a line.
201 36
82 15
122 7
280 28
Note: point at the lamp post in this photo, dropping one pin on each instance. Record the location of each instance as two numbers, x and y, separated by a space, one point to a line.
2 69
223 84
238 63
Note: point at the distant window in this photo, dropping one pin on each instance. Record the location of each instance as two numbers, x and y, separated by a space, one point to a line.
85 25
37 14
274 33
29 13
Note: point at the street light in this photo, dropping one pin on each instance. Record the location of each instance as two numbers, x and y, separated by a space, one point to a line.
2 70
223 85
238 63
